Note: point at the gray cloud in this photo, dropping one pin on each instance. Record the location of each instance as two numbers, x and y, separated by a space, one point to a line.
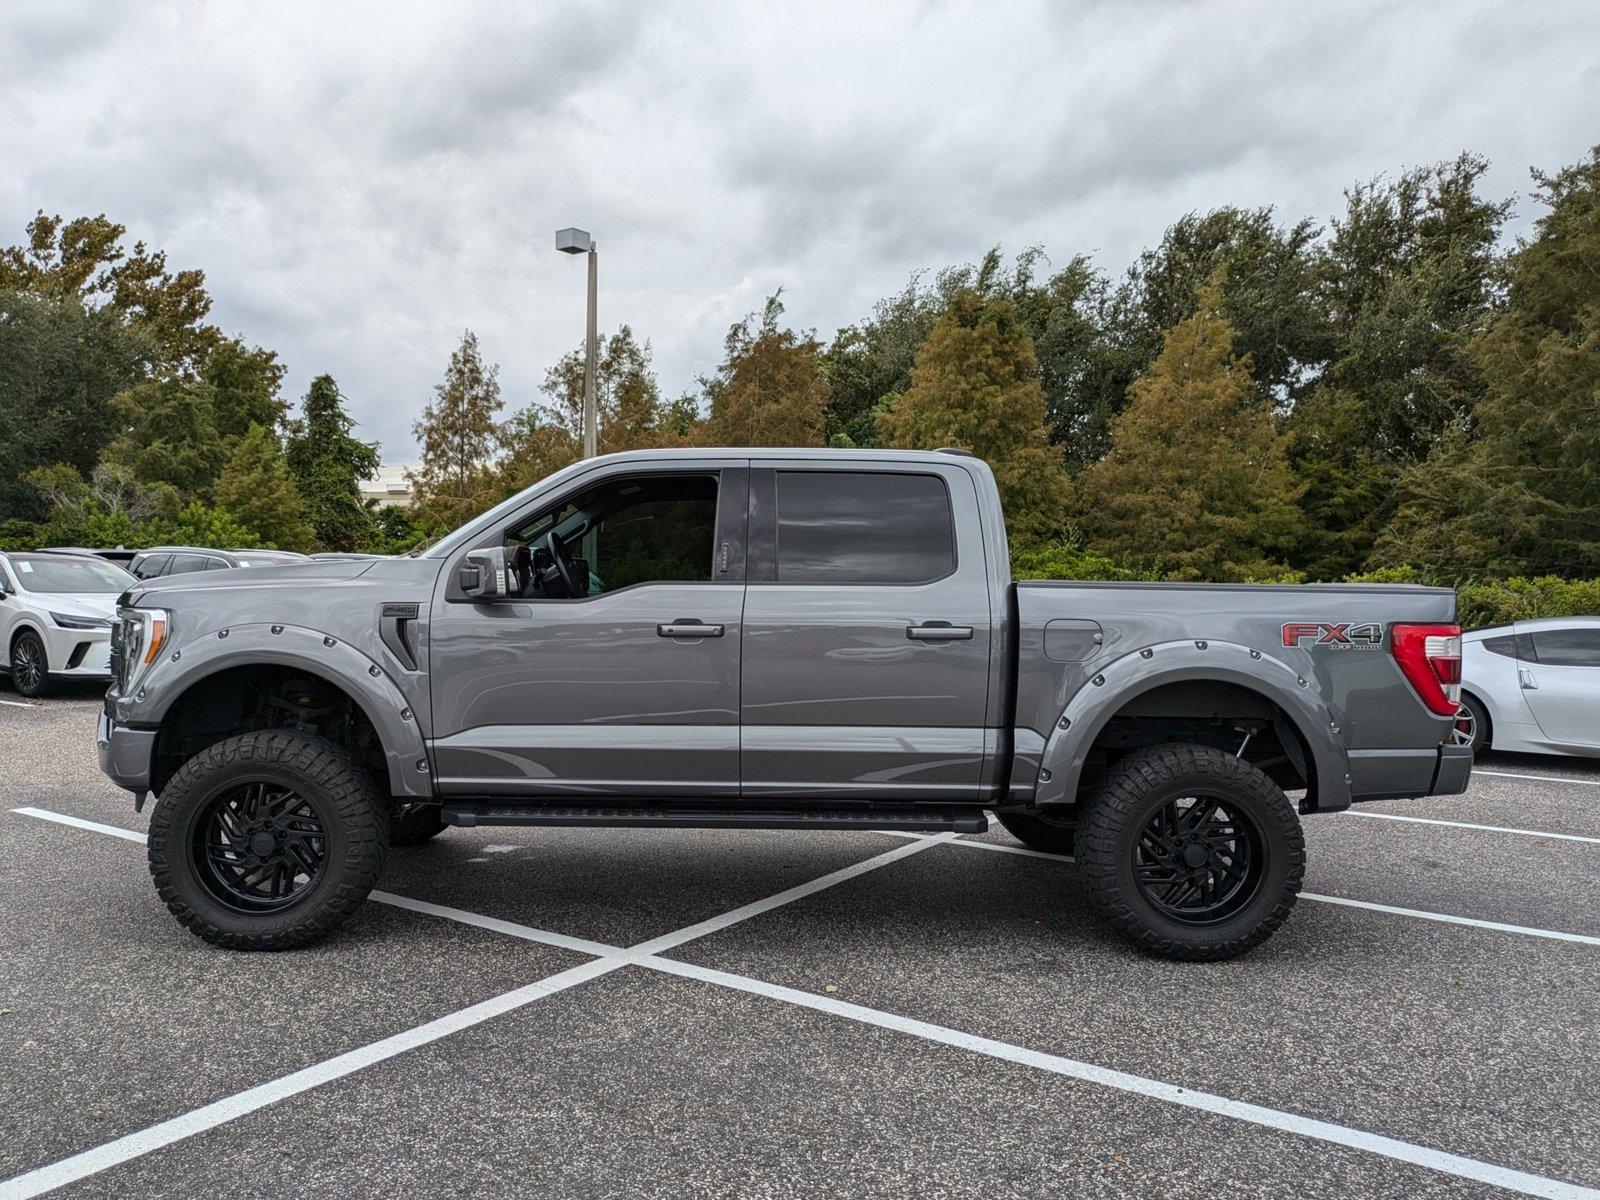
362 183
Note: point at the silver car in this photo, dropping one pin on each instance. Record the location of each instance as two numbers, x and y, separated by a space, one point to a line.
56 613
1533 686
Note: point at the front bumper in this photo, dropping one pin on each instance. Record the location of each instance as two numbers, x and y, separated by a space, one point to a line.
125 754
78 653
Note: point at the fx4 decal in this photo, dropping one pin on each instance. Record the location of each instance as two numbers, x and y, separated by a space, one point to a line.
1342 635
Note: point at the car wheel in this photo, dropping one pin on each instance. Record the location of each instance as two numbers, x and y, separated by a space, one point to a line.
1472 725
414 824
1191 853
267 841
1045 834
30 667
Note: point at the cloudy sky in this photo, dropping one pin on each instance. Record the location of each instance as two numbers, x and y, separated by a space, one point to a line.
360 183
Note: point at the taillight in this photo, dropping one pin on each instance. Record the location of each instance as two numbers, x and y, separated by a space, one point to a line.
1430 658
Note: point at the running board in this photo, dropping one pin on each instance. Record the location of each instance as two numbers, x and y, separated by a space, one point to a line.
913 818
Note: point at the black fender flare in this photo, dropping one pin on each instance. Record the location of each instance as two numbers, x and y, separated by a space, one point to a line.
1093 706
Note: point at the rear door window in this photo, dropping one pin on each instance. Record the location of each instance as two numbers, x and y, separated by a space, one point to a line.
1567 647
152 566
845 527
182 564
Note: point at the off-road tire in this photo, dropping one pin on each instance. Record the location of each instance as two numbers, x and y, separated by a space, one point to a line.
357 835
414 824
1039 833
37 685
1131 793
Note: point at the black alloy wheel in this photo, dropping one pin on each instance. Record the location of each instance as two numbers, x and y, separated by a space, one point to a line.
259 847
29 667
1199 860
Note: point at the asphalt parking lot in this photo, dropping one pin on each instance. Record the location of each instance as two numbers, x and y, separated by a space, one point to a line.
690 1013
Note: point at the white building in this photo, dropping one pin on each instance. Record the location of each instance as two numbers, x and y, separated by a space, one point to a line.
389 485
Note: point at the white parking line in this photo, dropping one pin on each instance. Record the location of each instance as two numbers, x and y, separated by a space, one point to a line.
1540 833
610 958
1270 1118
1449 919
19 704
1537 778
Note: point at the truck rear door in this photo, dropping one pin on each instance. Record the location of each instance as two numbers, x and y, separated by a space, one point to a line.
867 633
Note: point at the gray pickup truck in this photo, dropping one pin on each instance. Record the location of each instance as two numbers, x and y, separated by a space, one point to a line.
769 639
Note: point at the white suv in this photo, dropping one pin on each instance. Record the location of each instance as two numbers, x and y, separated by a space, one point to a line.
56 613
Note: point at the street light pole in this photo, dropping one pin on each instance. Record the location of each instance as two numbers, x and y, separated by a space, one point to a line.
578 241
591 415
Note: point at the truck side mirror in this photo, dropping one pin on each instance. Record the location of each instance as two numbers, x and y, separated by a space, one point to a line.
482 574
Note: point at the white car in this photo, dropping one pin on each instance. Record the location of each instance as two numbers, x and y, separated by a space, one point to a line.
1533 686
56 614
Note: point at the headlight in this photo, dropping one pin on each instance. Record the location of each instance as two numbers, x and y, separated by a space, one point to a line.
136 640
68 621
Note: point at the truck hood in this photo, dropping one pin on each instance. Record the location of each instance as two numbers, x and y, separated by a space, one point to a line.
288 592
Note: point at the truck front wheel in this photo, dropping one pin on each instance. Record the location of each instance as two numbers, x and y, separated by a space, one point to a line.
1190 853
267 841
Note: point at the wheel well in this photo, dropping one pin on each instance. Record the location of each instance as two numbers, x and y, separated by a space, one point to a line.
264 696
1227 716
16 636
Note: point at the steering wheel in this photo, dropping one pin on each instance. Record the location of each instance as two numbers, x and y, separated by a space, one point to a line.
566 571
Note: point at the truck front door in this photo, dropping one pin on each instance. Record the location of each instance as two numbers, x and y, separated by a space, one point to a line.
628 688
867 631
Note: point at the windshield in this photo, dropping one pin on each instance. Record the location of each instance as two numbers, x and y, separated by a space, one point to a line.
50 573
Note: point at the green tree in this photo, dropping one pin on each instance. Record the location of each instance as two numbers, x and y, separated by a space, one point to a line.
459 436
770 389
60 366
976 386
244 381
84 259
256 487
1521 495
327 463
1408 278
168 434
1197 484
630 412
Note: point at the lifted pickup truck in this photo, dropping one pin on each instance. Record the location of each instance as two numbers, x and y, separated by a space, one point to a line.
773 639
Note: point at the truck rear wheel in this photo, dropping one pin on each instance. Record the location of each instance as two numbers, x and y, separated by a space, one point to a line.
267 841
1039 833
1191 853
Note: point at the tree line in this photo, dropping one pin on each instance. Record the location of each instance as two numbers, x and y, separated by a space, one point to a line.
1395 393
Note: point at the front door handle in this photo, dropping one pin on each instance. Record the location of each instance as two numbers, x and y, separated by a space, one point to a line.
1525 678
939 631
689 628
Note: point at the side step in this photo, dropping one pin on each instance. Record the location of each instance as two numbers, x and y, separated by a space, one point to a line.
914 818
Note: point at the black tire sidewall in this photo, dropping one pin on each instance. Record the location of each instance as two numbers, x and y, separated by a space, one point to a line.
1480 724
1110 831
351 865
43 685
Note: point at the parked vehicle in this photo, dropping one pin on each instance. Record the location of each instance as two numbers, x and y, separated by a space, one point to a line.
120 555
56 614
181 560
780 639
1533 686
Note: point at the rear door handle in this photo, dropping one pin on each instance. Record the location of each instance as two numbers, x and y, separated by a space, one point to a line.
939 631
1525 678
688 629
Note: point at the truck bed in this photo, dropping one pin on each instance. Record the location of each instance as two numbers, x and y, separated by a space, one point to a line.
1070 634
